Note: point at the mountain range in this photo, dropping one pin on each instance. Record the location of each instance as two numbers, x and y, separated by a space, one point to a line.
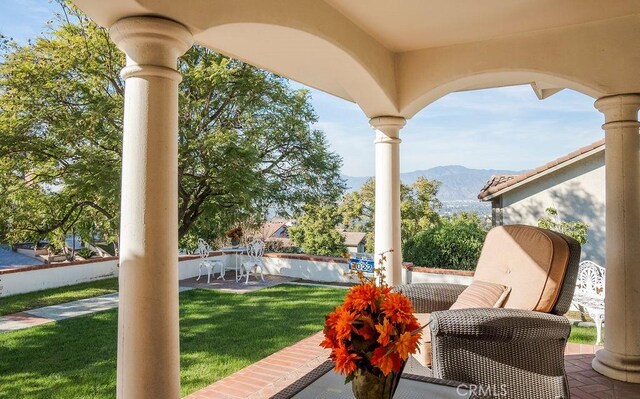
460 185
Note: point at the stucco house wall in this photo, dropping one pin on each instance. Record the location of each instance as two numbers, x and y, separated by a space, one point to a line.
576 190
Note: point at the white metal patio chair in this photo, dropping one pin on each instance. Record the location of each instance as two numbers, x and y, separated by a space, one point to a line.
255 252
210 264
589 294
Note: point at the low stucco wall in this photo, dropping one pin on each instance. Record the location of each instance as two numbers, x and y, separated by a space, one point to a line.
417 274
326 269
36 278
188 266
314 268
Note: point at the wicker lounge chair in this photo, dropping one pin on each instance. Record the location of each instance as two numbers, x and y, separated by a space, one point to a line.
516 351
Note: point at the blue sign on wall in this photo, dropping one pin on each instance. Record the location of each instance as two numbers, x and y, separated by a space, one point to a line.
363 265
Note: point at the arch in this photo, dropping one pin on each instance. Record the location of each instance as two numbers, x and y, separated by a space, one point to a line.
494 79
595 59
309 59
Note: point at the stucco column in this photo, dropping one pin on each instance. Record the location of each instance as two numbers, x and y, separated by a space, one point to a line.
148 326
620 358
387 222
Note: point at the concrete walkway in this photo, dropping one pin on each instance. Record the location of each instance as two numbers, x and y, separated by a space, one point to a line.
48 314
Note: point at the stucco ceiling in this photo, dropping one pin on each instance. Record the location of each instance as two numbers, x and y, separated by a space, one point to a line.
407 25
396 57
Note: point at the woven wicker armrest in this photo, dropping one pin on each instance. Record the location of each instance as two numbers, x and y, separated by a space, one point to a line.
501 325
430 297
519 353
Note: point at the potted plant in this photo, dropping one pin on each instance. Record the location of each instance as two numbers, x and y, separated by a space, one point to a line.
235 234
371 336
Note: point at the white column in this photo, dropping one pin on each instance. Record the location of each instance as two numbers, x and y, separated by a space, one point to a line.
148 325
620 358
387 223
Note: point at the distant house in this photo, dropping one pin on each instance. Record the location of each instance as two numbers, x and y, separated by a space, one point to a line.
277 231
354 241
277 228
573 184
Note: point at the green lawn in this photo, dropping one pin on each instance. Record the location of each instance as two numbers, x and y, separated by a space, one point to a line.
583 335
54 296
220 333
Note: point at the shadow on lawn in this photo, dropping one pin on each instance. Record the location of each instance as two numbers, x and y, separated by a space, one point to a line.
58 359
228 332
219 334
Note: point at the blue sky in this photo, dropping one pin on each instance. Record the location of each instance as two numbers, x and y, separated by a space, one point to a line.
505 128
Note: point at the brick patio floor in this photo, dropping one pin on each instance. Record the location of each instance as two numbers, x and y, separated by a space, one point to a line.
272 374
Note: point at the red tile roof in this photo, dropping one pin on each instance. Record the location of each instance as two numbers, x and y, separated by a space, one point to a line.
353 238
272 226
499 183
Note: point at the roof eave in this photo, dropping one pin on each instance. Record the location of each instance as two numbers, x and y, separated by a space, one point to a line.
513 186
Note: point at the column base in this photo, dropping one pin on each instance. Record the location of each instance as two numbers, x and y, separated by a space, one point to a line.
619 367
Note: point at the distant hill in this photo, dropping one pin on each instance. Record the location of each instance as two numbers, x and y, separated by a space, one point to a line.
460 185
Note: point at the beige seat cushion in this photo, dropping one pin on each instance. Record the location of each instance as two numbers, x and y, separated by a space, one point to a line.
531 261
424 344
482 294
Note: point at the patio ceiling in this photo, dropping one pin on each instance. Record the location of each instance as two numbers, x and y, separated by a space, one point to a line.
394 58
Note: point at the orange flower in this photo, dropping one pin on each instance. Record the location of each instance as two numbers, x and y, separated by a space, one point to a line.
397 307
330 340
367 331
407 344
345 361
332 318
385 330
344 325
413 324
386 362
363 297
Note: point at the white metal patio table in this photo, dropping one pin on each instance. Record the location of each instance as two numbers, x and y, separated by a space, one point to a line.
234 251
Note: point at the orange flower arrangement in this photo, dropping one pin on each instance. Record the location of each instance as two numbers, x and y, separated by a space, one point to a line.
234 233
374 330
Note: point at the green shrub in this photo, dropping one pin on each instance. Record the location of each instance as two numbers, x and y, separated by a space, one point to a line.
576 229
280 247
454 243
85 253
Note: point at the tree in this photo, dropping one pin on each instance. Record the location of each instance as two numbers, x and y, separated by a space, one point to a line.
575 229
357 210
418 207
454 243
245 140
316 232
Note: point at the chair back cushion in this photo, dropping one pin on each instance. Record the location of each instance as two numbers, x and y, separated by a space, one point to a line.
481 294
530 260
568 286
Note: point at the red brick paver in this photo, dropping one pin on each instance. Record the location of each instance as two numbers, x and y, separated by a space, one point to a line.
20 320
272 374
